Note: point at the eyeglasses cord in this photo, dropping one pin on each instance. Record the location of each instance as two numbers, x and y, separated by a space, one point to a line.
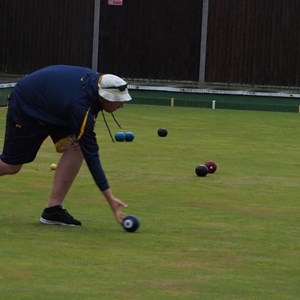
109 131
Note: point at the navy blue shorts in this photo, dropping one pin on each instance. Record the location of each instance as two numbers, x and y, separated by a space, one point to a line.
25 135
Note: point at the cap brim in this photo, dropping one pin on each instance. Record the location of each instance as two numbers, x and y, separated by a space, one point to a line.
113 96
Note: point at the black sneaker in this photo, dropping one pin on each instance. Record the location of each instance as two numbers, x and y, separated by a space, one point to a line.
57 215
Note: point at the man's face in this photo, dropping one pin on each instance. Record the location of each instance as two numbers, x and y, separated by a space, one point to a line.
109 106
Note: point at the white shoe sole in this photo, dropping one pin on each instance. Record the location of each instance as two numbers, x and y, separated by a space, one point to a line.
49 222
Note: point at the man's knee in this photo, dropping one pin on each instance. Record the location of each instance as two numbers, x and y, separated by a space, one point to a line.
6 169
74 151
15 169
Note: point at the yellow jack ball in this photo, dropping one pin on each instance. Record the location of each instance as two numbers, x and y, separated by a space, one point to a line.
53 167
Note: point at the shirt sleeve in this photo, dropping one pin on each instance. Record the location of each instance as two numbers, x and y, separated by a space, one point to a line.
84 123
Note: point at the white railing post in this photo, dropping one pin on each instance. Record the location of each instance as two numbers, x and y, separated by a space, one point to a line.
203 41
95 51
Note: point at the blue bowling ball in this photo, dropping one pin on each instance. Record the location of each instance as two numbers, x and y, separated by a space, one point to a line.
201 170
129 136
162 132
131 223
120 136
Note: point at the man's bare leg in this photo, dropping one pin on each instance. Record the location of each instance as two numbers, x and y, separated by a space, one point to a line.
6 169
66 171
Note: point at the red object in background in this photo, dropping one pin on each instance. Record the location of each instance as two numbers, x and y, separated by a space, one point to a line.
115 2
212 166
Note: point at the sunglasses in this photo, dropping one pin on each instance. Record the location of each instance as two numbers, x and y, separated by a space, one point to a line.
121 88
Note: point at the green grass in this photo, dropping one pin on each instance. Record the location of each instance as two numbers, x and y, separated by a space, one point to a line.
230 235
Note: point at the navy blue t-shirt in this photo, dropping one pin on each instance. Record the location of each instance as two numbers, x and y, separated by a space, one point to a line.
67 97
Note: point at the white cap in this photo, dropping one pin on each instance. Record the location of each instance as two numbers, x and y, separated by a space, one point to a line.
113 88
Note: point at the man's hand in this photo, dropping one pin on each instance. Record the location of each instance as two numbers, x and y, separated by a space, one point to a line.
115 205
